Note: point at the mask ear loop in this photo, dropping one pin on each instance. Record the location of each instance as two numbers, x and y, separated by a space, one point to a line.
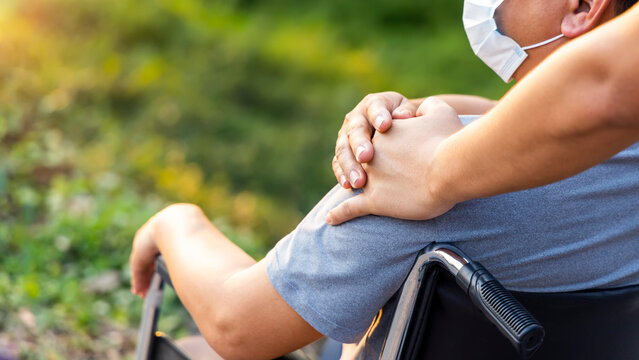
543 43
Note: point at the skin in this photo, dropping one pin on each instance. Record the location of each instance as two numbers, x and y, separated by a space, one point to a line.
375 113
219 284
527 22
537 134
224 289
396 163
542 21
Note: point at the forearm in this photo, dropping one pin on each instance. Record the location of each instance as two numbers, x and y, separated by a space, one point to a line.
200 260
227 293
197 254
541 132
464 104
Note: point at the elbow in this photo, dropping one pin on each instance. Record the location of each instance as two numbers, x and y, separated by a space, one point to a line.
226 335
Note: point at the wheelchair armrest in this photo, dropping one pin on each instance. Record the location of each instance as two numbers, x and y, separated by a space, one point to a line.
147 338
486 293
501 308
162 270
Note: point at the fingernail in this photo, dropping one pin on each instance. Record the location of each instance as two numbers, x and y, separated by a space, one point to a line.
359 152
329 219
354 177
343 180
379 121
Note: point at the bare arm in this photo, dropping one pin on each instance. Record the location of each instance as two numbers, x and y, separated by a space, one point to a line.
227 293
575 110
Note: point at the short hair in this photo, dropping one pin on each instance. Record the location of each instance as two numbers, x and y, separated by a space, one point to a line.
623 5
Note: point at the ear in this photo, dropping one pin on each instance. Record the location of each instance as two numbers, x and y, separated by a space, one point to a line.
584 15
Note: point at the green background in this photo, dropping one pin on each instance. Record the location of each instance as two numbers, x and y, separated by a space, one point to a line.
110 110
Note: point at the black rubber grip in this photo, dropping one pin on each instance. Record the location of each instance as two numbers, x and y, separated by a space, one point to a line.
160 268
502 309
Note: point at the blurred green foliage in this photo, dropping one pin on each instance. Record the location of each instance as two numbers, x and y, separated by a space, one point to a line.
111 110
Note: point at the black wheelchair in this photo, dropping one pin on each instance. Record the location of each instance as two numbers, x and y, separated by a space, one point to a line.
452 308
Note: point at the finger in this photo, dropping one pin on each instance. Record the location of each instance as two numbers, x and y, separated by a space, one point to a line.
350 167
405 110
359 138
339 174
352 208
378 113
431 104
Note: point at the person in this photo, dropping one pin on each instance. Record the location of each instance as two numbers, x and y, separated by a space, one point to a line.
558 130
333 280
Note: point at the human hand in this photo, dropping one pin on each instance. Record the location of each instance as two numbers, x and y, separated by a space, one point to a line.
142 258
354 147
145 243
398 177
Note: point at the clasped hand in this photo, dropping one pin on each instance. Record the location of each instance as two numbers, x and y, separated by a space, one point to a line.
395 166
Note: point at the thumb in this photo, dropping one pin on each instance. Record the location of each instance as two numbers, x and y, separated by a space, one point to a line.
350 209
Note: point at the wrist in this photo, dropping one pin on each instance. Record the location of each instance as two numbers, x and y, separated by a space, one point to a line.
442 185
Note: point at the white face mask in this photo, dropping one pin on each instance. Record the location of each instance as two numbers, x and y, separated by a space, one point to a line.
499 52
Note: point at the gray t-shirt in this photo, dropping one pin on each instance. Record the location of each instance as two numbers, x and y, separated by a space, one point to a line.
579 233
